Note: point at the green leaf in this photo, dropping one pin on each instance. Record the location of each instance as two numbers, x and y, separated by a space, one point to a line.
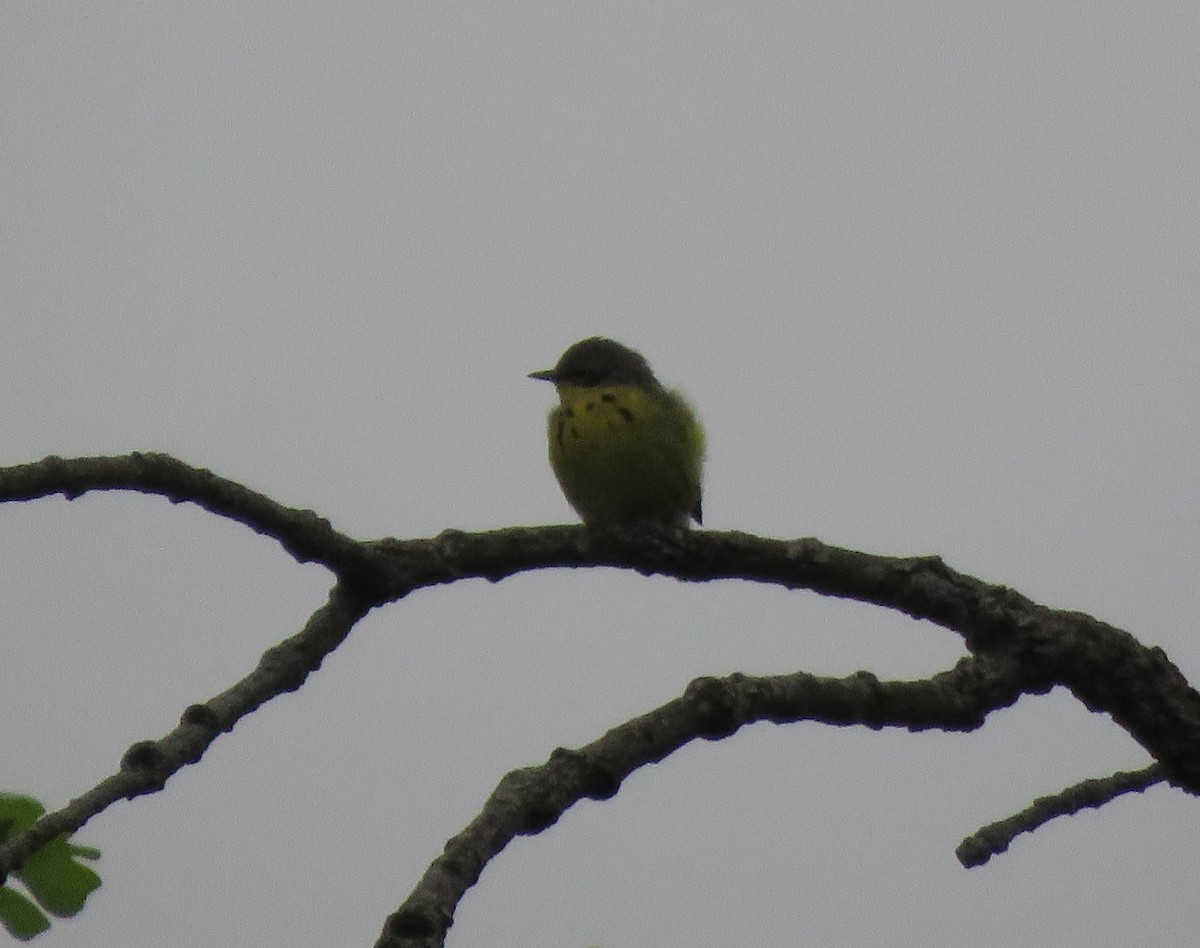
17 813
20 916
54 876
59 883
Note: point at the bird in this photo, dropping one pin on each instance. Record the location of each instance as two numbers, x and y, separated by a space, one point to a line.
625 450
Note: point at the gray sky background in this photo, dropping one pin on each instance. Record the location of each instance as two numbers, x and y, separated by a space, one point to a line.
928 272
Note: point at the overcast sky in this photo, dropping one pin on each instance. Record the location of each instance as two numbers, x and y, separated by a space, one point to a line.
928 272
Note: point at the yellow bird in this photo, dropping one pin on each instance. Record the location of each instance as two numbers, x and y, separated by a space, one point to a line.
624 449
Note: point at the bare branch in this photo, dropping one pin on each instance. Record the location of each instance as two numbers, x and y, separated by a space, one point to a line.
1105 667
1017 647
995 838
304 535
147 765
532 799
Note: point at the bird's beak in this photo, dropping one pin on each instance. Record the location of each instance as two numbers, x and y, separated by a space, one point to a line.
545 375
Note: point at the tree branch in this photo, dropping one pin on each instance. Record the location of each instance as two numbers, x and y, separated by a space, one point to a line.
1017 647
1105 667
530 800
995 838
305 536
147 765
